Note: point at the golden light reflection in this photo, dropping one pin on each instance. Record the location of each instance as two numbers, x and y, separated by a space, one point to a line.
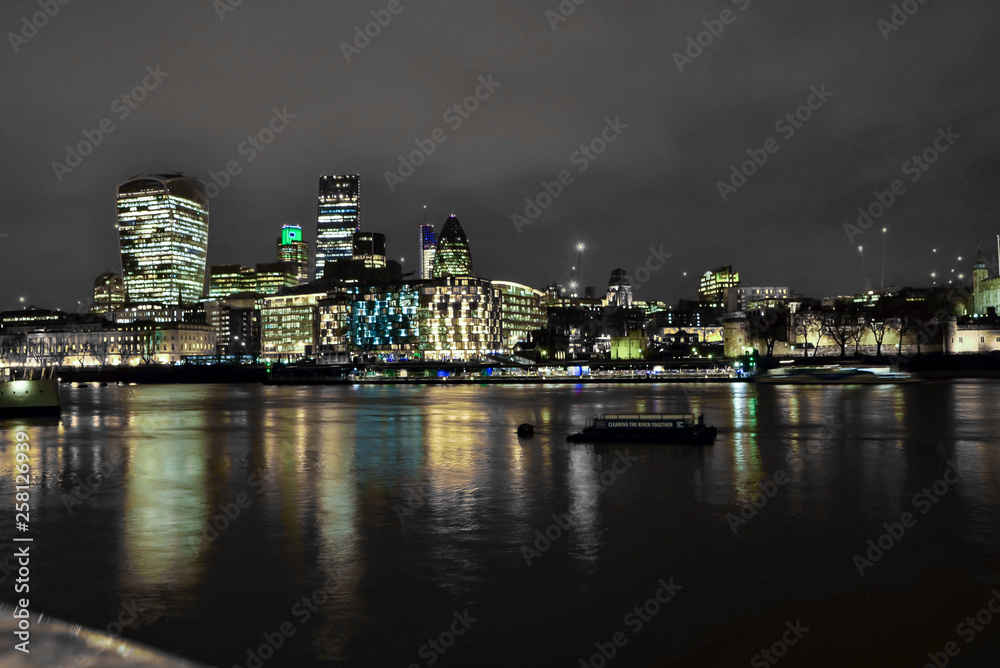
165 504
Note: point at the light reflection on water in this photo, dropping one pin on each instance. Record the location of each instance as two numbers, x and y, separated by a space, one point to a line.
325 472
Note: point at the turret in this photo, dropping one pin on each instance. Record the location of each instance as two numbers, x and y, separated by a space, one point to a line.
980 274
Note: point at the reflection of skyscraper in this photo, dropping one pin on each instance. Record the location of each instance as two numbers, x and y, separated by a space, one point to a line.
292 248
451 255
339 218
163 234
427 246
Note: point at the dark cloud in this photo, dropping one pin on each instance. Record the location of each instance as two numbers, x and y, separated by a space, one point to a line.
655 185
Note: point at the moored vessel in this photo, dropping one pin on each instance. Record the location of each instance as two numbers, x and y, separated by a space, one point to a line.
29 393
646 428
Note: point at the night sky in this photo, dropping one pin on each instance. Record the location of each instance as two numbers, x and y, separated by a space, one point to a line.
655 185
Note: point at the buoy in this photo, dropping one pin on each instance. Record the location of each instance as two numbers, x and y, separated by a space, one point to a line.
525 430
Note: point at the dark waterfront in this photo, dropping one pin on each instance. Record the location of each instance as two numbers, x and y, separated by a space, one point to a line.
415 504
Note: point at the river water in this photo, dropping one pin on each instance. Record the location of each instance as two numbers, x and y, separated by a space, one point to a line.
243 525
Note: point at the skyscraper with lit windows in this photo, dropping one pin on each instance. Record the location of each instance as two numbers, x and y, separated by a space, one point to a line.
163 236
294 249
451 255
427 245
338 219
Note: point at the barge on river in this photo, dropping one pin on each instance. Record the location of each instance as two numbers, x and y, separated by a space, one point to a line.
646 428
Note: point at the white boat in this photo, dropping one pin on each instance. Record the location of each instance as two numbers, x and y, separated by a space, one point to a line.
29 393
833 375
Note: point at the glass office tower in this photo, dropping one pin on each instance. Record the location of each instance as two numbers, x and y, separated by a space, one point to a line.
163 236
339 218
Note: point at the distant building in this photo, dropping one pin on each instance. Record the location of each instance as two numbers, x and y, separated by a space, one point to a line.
632 346
109 292
289 325
369 248
452 256
619 289
759 297
714 285
427 245
986 290
460 318
236 322
292 248
230 279
972 336
521 312
163 236
385 319
265 279
339 217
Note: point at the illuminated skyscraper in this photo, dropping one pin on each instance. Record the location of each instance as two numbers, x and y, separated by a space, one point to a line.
338 220
163 235
427 245
109 292
294 249
369 247
451 255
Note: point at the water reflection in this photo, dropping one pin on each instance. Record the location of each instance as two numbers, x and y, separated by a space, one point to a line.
325 468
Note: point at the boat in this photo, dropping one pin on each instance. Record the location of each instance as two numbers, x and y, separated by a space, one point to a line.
29 393
833 375
646 428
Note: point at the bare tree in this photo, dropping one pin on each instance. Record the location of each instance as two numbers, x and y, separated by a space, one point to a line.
908 324
59 352
805 324
14 349
146 344
839 327
99 349
877 326
769 326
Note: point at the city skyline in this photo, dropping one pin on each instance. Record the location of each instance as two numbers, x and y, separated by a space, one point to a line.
657 183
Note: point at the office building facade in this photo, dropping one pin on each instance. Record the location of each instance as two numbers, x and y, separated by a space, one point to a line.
163 236
292 248
338 219
428 242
